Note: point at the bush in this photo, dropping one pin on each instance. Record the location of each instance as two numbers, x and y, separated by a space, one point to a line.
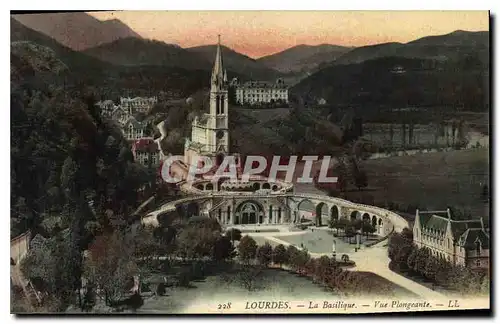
184 278
161 289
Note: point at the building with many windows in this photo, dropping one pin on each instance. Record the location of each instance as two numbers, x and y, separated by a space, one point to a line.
133 129
146 152
259 92
107 107
460 242
137 104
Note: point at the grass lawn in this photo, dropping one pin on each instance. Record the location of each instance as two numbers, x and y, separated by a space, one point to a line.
320 241
432 180
268 284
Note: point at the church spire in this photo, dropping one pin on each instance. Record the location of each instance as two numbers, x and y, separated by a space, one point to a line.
217 72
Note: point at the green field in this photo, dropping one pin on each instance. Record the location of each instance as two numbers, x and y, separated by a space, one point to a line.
432 181
267 285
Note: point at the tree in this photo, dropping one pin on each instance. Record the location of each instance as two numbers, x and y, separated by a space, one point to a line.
342 224
368 228
361 180
345 258
196 242
291 252
421 260
431 268
349 233
110 265
485 193
264 254
280 255
299 259
223 249
247 248
234 234
412 258
485 285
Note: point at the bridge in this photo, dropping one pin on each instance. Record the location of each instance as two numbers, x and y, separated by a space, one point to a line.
271 208
373 259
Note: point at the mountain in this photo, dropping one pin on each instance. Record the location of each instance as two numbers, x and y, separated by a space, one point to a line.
107 80
76 61
236 62
399 82
453 46
137 51
77 30
303 58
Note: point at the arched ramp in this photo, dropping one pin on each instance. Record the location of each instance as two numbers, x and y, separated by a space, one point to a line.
321 211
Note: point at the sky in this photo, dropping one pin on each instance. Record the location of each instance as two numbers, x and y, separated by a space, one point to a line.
260 33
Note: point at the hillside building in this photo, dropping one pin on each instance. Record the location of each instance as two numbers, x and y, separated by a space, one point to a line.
460 242
146 152
258 92
133 129
137 104
107 107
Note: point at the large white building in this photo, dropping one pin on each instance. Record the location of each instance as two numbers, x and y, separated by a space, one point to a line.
258 92
137 104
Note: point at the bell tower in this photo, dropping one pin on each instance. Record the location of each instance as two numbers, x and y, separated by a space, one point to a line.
218 136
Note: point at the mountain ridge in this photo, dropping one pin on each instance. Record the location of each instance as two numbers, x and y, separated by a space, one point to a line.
303 57
81 30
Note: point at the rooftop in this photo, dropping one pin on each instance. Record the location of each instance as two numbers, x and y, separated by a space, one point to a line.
438 221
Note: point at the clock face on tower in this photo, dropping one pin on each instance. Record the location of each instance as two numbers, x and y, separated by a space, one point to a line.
219 134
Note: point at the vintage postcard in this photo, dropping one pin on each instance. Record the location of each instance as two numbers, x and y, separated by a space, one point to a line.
241 162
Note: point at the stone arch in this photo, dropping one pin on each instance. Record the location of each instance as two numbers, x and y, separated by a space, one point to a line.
334 213
366 217
380 223
305 209
209 186
274 187
256 186
374 221
321 209
249 212
266 186
192 209
200 187
355 215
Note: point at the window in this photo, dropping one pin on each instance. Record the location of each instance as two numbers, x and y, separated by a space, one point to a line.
478 247
478 263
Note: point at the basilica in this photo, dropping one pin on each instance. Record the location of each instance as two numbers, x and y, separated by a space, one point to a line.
210 133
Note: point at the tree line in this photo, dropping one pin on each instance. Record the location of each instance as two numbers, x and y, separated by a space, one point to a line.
406 257
324 270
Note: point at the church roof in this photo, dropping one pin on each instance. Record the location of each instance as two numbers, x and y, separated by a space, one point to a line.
459 227
145 145
433 221
134 122
437 223
471 235
218 70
